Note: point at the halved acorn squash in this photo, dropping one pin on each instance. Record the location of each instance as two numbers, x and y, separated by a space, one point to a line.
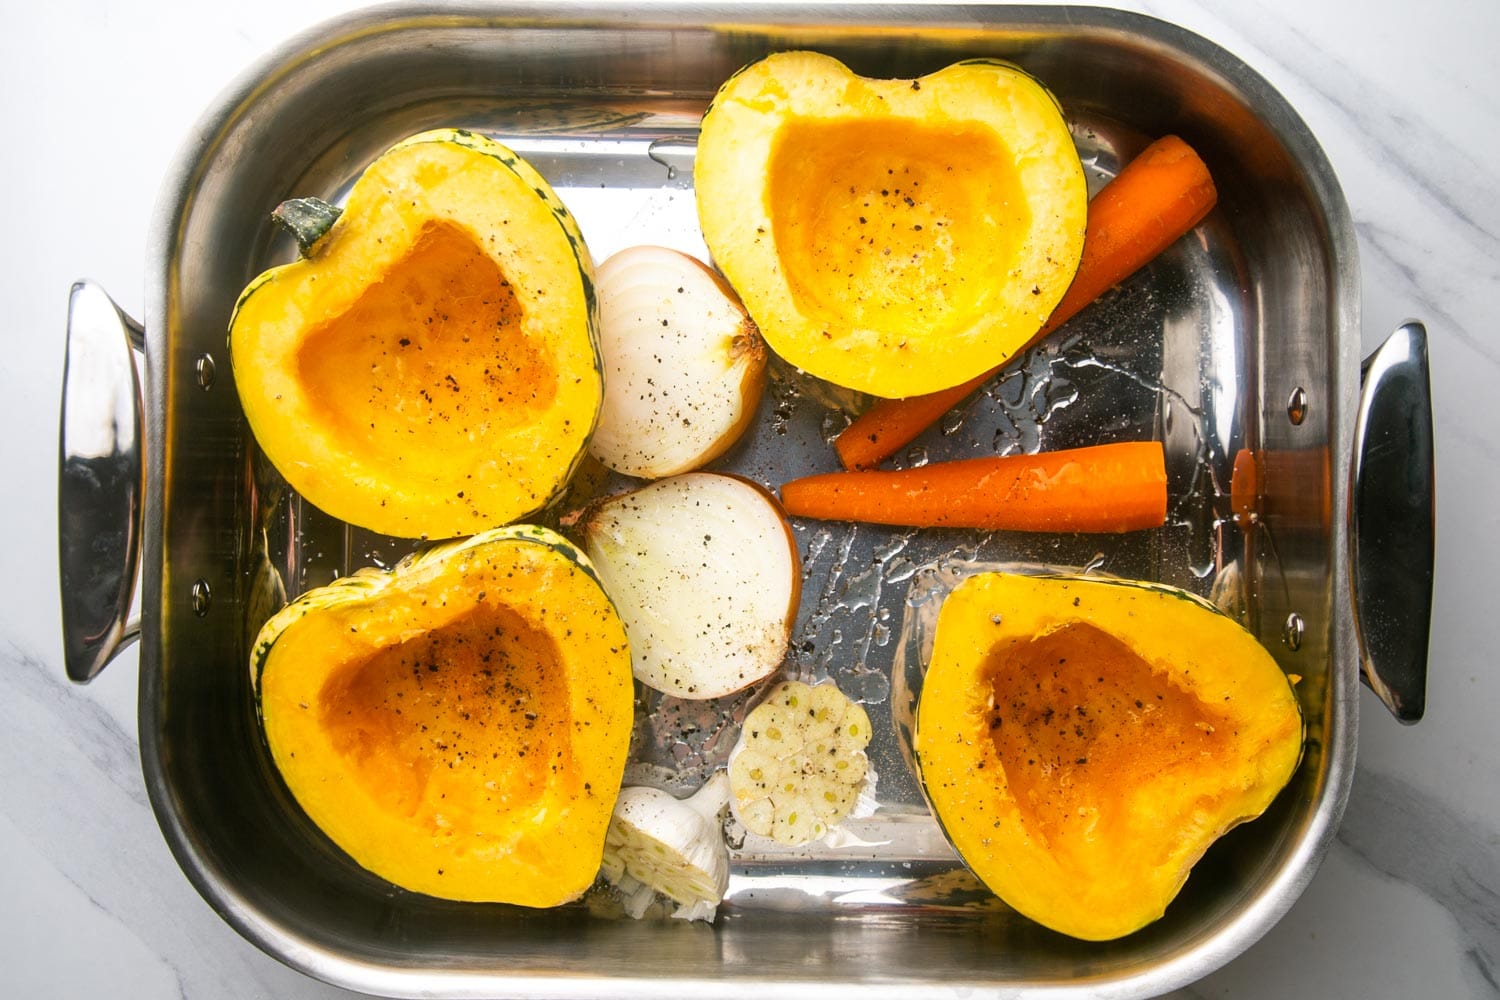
431 366
458 725
1083 741
892 236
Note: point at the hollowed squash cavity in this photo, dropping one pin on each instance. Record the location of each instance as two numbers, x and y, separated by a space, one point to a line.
892 236
431 367
1084 741
443 319
1078 717
458 725
444 707
892 222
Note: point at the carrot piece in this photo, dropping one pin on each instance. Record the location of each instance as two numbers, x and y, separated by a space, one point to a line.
1104 488
1244 486
1154 201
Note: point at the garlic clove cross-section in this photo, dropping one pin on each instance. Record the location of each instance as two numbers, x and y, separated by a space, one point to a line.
799 766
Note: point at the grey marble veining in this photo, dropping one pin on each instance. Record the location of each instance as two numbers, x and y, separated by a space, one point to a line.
1447 173
87 818
1405 100
1409 835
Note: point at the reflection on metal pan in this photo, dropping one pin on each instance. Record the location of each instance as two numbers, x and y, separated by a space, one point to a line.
1201 351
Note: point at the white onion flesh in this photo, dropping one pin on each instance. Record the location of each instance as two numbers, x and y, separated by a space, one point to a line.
704 571
684 366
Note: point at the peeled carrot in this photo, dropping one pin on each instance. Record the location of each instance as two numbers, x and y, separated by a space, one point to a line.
1155 200
1244 485
1104 488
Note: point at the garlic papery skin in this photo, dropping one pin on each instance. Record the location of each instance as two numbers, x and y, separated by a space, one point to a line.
684 365
657 843
705 573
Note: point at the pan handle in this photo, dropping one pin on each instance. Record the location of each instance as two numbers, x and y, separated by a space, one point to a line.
100 481
1391 518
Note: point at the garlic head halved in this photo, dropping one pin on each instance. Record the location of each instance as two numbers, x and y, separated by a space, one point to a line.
800 765
657 843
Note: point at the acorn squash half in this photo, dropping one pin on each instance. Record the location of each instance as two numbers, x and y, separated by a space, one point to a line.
430 367
891 236
458 725
1083 741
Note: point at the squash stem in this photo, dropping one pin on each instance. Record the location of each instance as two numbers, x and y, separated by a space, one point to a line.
307 219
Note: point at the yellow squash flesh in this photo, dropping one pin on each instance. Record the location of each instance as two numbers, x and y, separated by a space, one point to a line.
891 236
431 368
459 725
1083 741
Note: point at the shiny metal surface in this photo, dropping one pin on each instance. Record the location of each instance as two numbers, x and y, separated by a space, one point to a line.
1203 351
1392 517
100 481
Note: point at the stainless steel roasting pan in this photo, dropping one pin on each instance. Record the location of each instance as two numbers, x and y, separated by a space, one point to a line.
1241 340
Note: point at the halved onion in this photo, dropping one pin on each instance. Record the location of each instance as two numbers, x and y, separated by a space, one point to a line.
684 366
704 572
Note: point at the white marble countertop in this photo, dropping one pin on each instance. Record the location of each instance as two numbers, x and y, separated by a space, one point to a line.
1405 99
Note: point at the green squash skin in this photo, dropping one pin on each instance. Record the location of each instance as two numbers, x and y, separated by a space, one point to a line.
935 759
362 583
565 221
531 854
521 169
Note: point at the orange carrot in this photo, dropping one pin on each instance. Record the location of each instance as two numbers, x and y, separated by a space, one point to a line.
1157 198
1105 488
1244 486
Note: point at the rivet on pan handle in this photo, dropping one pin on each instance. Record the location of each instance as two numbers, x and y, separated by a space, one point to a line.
100 481
1391 521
